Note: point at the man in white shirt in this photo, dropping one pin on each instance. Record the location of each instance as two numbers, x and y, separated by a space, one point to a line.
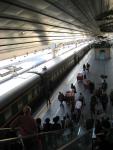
78 104
78 107
82 99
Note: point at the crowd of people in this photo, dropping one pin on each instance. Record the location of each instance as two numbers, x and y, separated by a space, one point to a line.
28 125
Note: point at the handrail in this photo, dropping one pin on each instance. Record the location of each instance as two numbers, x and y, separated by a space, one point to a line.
32 135
9 139
74 140
93 129
93 132
9 129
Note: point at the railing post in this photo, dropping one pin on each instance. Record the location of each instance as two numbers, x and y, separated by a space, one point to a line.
21 141
93 138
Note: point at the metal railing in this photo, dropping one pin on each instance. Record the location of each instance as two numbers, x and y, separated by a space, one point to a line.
48 140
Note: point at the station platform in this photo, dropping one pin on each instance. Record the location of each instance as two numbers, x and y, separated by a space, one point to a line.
97 68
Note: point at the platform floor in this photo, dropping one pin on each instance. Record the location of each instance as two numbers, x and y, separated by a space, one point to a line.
97 68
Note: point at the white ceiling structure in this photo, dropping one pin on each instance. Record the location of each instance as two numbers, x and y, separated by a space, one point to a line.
28 25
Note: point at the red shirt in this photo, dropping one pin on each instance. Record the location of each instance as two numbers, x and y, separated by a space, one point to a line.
26 123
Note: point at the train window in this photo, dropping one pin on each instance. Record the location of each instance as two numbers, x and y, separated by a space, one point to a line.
57 73
8 114
36 92
2 119
30 97
24 99
63 68
71 62
33 93
20 106
14 108
53 77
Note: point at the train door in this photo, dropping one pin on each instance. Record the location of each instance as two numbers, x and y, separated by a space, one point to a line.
75 59
102 54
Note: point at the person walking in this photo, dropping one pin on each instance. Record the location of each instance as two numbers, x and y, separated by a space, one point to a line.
61 97
87 66
104 101
73 88
111 97
93 104
84 67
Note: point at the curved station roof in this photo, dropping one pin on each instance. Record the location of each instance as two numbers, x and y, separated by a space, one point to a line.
32 25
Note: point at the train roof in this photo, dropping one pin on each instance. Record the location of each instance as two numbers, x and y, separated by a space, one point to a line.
50 64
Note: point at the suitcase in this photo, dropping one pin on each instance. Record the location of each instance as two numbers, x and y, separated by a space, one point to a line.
79 76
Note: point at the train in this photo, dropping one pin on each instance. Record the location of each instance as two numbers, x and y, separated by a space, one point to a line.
29 88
